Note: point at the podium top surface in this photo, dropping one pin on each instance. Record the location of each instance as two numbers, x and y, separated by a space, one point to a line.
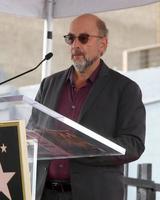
57 135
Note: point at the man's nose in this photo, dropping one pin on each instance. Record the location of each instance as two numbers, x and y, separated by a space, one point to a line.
76 42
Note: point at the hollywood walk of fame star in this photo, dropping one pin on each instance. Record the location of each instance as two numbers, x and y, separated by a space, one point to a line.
3 148
5 178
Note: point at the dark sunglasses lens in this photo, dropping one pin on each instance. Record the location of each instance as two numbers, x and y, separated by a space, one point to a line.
83 38
69 39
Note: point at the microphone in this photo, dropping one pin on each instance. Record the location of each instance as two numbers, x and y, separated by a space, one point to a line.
47 57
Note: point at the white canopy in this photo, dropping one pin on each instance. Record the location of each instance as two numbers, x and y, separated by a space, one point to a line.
66 8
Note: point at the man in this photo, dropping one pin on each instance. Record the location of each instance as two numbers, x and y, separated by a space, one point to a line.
100 99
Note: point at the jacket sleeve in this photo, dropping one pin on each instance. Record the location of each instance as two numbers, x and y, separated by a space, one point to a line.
131 123
34 120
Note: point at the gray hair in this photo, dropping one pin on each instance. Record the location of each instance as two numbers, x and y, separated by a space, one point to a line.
103 30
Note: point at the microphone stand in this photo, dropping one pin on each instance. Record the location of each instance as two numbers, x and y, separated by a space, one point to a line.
47 57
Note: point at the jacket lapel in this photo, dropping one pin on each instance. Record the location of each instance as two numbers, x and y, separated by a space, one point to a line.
96 90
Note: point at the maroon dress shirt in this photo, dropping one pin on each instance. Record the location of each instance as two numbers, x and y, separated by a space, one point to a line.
70 104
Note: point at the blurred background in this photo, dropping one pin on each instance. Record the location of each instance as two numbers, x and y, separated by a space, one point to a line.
134 42
134 50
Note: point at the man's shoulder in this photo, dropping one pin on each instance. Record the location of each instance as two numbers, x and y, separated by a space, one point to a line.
56 76
118 78
54 80
119 75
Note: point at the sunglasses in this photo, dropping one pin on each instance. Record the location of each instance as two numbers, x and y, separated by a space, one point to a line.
83 38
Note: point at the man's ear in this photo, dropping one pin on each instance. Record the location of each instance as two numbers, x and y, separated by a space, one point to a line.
103 45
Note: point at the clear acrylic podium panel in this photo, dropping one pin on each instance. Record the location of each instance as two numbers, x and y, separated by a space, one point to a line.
32 147
57 136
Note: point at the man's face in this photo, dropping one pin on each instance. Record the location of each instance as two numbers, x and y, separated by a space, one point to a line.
87 46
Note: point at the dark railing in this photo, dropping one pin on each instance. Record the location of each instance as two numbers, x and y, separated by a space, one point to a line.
146 188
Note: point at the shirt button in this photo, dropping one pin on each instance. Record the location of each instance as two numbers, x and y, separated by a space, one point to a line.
73 106
60 166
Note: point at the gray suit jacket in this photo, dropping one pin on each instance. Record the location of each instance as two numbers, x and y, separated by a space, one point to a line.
114 109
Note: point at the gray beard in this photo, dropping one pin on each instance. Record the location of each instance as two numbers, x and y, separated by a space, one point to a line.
81 67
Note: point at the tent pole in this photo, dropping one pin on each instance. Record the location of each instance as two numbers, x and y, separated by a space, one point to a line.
47 37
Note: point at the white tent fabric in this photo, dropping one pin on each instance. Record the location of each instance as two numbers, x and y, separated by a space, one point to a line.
65 8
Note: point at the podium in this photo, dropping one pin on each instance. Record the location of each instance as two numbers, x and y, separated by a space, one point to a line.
51 135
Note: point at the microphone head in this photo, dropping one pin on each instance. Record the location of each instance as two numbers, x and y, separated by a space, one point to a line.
48 56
